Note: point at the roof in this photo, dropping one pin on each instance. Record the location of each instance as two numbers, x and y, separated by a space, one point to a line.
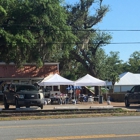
89 80
55 79
27 71
127 78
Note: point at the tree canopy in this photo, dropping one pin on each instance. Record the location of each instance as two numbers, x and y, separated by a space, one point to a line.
89 40
31 29
47 31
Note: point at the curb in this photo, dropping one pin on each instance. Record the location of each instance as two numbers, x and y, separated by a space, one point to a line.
66 107
25 109
100 107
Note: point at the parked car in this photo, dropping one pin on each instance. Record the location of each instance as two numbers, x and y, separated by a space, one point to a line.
132 96
22 95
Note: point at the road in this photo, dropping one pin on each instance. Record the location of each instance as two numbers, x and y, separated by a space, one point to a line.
101 128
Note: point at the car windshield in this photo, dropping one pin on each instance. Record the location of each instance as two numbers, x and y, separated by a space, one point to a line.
26 88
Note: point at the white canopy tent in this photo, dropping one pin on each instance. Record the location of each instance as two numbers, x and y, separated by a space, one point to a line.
55 80
126 82
127 78
89 80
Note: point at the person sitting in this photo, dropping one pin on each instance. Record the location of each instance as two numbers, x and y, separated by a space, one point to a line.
82 97
55 94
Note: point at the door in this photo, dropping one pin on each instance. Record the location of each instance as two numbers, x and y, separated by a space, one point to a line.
133 94
11 95
137 94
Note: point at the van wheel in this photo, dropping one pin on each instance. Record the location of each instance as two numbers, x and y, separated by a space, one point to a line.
127 104
41 106
6 105
17 105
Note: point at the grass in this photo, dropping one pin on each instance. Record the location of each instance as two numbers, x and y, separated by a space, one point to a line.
42 117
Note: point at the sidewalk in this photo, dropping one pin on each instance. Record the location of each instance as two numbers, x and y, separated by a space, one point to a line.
94 105
83 105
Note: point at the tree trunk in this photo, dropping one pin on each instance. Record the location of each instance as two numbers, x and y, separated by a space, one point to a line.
113 88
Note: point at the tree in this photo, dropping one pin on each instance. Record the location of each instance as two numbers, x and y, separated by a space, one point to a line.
114 68
133 64
30 30
89 40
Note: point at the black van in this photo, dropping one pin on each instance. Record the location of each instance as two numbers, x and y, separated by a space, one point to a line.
132 96
22 95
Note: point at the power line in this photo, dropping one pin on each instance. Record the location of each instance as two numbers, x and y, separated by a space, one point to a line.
104 43
124 43
120 30
41 27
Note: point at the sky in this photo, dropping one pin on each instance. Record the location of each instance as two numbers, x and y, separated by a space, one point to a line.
122 15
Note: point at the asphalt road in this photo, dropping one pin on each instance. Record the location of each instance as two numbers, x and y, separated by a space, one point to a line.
97 128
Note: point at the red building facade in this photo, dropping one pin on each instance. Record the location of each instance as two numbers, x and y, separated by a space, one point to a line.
29 73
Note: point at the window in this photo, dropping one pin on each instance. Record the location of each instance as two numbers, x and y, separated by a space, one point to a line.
48 88
136 89
26 88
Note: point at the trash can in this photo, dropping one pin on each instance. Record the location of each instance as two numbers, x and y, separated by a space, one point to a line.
73 101
108 100
90 99
100 99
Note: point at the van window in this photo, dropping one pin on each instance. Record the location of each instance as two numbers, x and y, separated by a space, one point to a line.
135 89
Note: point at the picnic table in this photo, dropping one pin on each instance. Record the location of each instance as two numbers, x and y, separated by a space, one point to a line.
60 99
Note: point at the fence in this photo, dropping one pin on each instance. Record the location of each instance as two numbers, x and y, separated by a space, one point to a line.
115 97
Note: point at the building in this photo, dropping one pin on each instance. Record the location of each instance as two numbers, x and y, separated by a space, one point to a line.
126 82
28 74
